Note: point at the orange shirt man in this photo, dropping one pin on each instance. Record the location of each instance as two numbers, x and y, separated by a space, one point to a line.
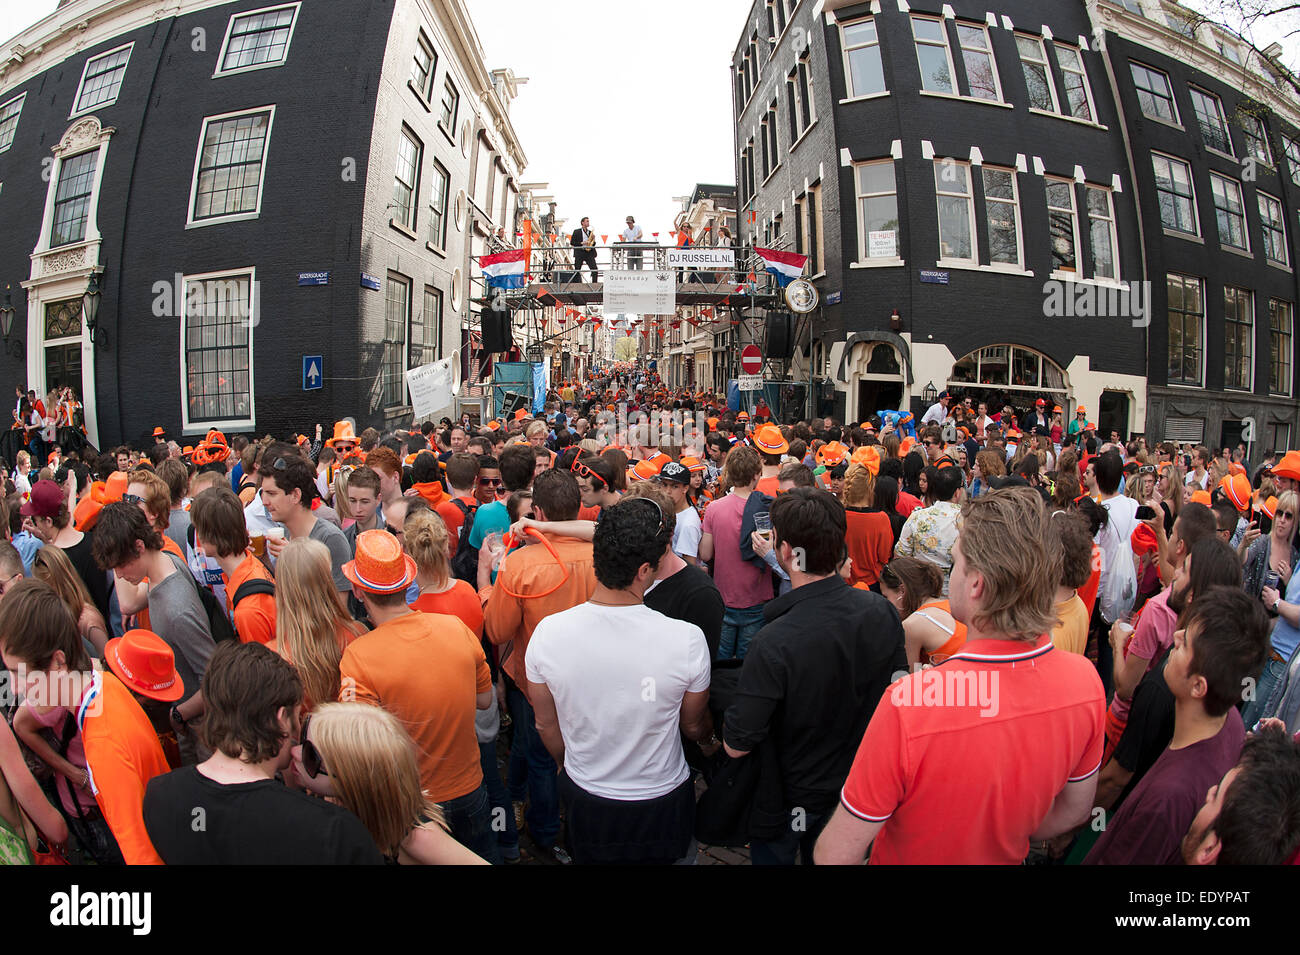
222 534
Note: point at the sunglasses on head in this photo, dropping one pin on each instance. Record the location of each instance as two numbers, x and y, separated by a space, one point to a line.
132 499
311 759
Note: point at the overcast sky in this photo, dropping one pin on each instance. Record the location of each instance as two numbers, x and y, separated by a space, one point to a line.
628 102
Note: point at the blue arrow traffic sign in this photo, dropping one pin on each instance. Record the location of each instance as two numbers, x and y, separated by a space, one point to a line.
313 372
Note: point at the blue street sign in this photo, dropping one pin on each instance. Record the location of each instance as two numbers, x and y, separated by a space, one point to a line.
834 298
313 278
933 277
370 282
313 372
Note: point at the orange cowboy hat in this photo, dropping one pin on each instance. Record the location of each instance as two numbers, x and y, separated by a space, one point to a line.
343 431
643 471
158 432
770 440
1237 489
831 454
146 664
1289 466
691 464
380 566
1270 506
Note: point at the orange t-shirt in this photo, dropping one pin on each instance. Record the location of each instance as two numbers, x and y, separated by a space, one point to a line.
122 755
771 486
425 669
453 518
460 601
255 616
588 513
870 539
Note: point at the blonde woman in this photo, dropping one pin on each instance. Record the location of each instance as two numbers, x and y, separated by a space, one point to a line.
339 490
52 565
361 757
868 535
428 543
1169 493
312 627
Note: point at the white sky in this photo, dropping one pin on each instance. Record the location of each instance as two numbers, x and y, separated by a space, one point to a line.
628 102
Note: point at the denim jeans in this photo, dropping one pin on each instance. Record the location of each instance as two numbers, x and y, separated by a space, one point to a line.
469 817
543 814
499 802
738 628
782 851
1268 692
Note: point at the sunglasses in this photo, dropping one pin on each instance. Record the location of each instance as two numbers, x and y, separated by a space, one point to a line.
584 471
1286 514
490 482
311 759
1147 469
132 499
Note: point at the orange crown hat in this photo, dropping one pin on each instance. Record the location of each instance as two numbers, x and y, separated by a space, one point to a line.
830 454
1289 466
770 440
380 566
867 457
343 431
1238 491
712 423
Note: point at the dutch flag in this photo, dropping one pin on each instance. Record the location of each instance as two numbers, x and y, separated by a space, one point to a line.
786 266
505 269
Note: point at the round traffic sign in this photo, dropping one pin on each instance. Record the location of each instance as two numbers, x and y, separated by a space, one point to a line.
751 360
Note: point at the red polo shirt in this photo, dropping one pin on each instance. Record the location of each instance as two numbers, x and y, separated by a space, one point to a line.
963 761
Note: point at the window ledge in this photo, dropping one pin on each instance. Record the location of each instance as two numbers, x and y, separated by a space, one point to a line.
217 220
864 98
1175 234
1185 386
1074 279
878 264
419 94
976 267
451 137
802 136
967 99
1164 122
1280 265
1244 253
1069 119
441 253
402 228
1219 152
763 184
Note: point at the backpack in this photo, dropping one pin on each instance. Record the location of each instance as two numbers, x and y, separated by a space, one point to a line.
464 563
219 624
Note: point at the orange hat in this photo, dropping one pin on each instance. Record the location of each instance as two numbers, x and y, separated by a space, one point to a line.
1235 468
1143 540
53 456
115 487
343 431
521 413
158 432
1081 410
770 440
1238 491
712 423
146 664
906 445
187 451
659 459
216 437
494 425
86 515
743 416
830 454
1289 466
1201 497
302 439
1089 427
691 464
1056 409
380 566
1270 506
867 457
643 471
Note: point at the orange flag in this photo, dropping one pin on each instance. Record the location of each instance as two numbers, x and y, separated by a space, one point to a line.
604 240
528 243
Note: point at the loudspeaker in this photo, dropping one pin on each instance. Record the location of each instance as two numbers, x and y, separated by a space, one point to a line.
780 337
512 401
496 331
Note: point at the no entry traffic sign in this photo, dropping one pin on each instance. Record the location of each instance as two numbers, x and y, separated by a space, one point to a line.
751 360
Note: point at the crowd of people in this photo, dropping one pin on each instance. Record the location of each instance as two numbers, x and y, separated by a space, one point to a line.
639 621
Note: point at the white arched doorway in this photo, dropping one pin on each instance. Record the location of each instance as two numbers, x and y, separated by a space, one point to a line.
875 375
1010 373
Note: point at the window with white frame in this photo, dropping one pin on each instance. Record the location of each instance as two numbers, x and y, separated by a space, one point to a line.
932 54
1186 327
1038 77
1280 345
1002 211
1181 23
439 198
1279 437
1252 127
864 74
977 58
1239 336
424 66
449 107
956 210
217 334
397 317
1175 194
1101 232
1074 77
800 96
72 198
9 114
1209 117
406 181
1155 95
101 80
1292 149
877 189
1273 222
1229 212
257 39
230 167
1063 225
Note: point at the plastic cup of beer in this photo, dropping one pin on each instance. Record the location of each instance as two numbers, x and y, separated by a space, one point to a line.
763 525
276 535
259 544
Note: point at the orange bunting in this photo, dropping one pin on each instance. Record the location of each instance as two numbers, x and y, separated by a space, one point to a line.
604 240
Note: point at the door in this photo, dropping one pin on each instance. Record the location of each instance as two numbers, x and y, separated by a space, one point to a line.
876 396
63 366
1113 415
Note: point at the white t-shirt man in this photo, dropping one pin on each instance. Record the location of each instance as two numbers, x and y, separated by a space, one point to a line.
632 233
618 676
937 414
686 535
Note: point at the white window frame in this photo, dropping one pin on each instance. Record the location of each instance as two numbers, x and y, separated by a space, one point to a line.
1279 221
1193 91
1191 181
970 213
1042 61
1204 322
190 221
1014 202
129 47
443 175
411 225
864 245
1290 338
986 51
947 51
230 424
1112 230
846 50
1217 179
424 45
1169 88
450 129
20 99
269 64
1074 224
1249 386
1262 138
1082 73
1291 149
